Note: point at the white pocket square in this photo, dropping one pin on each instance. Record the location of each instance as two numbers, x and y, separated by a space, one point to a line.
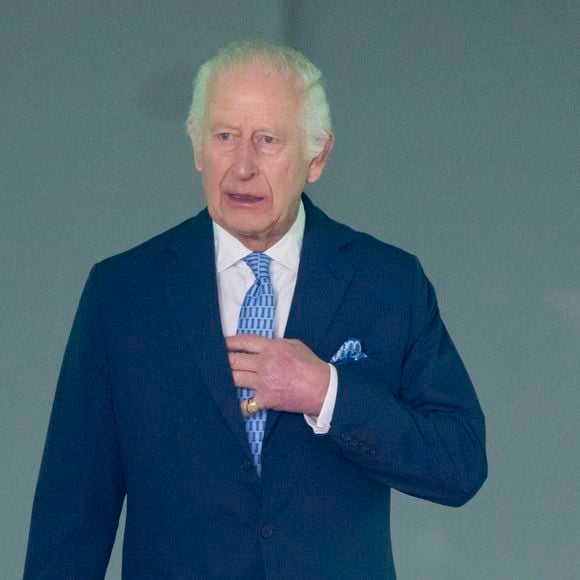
350 351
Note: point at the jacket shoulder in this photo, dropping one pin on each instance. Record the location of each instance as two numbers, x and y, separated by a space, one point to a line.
152 254
366 249
367 253
363 249
370 257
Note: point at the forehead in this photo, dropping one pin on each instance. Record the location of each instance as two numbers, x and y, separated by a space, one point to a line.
251 93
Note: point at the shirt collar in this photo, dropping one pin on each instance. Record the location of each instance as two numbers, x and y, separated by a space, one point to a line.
229 250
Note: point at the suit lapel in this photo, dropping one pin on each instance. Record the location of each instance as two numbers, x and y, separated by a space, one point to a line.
323 278
192 293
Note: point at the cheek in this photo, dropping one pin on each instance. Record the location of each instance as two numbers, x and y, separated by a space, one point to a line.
211 188
214 174
289 174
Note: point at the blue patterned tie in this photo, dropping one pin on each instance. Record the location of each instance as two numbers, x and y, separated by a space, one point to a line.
257 317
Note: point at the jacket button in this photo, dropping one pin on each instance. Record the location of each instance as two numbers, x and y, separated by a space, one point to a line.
246 465
266 531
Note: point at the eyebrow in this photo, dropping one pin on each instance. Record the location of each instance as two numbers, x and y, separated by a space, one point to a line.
224 126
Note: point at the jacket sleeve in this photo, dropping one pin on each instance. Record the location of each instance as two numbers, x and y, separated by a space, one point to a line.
421 431
80 488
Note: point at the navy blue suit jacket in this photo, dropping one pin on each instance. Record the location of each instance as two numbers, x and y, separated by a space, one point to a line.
145 407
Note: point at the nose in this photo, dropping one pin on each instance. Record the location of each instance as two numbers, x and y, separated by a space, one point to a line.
245 160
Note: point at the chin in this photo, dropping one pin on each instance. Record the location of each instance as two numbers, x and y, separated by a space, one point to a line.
249 225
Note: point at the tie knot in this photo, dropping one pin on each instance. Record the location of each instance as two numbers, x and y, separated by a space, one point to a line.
260 264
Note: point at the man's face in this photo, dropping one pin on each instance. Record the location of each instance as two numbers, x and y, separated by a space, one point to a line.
252 155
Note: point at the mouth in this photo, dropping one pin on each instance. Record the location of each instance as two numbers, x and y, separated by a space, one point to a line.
244 198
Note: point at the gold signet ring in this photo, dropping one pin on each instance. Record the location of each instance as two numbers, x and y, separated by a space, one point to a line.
251 406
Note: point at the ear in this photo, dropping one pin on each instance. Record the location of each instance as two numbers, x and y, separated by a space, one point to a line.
197 158
316 166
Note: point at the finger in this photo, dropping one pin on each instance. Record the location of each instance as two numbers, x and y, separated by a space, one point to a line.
250 343
245 380
241 361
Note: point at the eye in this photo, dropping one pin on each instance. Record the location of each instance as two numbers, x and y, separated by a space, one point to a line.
267 139
224 137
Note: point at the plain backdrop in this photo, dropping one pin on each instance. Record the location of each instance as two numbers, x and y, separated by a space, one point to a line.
457 139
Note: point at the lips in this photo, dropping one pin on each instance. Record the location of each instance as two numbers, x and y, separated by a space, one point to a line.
248 198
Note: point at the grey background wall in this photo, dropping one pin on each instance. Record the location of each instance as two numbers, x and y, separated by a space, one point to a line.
457 139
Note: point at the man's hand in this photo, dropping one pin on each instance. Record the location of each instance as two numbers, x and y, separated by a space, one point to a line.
284 374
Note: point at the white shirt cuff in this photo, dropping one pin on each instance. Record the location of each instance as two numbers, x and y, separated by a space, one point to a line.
321 424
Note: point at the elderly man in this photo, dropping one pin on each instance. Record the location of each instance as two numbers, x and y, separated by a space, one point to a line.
258 378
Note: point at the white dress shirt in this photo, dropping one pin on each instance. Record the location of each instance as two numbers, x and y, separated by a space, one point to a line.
235 278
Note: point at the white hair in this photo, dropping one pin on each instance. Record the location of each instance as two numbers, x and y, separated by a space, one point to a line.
282 60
